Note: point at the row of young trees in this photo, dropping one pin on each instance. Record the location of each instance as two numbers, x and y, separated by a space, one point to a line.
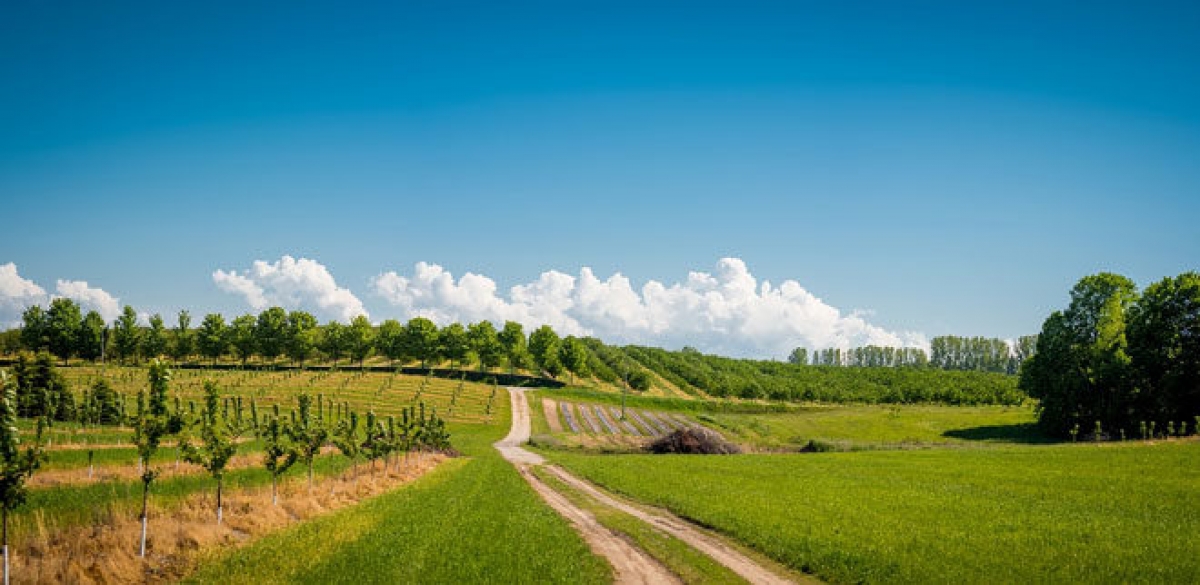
209 437
869 356
296 335
947 352
1116 361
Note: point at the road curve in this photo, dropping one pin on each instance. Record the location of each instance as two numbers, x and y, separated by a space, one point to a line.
510 446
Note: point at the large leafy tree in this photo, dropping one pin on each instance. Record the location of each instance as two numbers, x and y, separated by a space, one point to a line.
485 342
212 339
360 339
1081 370
35 329
271 332
126 335
545 346
301 336
574 356
64 321
389 341
242 337
516 350
184 338
421 340
90 343
333 340
154 343
454 343
1164 344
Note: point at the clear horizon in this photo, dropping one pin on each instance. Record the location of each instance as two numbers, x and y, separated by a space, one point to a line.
893 173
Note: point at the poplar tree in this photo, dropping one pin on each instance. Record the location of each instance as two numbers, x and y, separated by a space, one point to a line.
126 335
184 341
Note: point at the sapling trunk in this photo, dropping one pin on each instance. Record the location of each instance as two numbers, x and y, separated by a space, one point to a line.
274 490
145 501
5 522
220 510
310 475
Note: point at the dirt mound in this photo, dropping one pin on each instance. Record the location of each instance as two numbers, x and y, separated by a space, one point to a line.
693 440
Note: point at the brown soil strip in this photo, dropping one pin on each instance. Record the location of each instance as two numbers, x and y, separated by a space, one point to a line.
550 409
180 537
681 529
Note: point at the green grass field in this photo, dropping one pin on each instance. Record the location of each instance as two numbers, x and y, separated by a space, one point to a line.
846 427
473 520
1063 513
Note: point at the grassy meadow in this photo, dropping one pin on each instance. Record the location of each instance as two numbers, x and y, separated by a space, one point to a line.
473 520
1063 513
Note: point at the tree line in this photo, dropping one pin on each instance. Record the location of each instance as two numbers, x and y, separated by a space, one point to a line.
702 374
1119 363
275 333
947 352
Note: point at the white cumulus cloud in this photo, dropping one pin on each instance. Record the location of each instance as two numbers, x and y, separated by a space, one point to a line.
90 298
16 295
727 311
292 284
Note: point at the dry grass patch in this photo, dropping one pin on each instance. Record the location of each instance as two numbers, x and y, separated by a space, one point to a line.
187 533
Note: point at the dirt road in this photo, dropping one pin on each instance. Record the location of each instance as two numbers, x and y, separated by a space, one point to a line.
697 538
629 563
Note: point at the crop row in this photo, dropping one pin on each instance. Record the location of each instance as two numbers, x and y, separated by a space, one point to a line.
600 419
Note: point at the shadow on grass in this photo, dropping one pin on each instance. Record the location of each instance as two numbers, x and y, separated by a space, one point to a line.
1023 433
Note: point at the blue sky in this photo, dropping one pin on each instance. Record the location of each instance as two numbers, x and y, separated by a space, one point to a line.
941 167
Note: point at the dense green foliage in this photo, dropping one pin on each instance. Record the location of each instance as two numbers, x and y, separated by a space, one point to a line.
1068 513
745 378
1115 362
